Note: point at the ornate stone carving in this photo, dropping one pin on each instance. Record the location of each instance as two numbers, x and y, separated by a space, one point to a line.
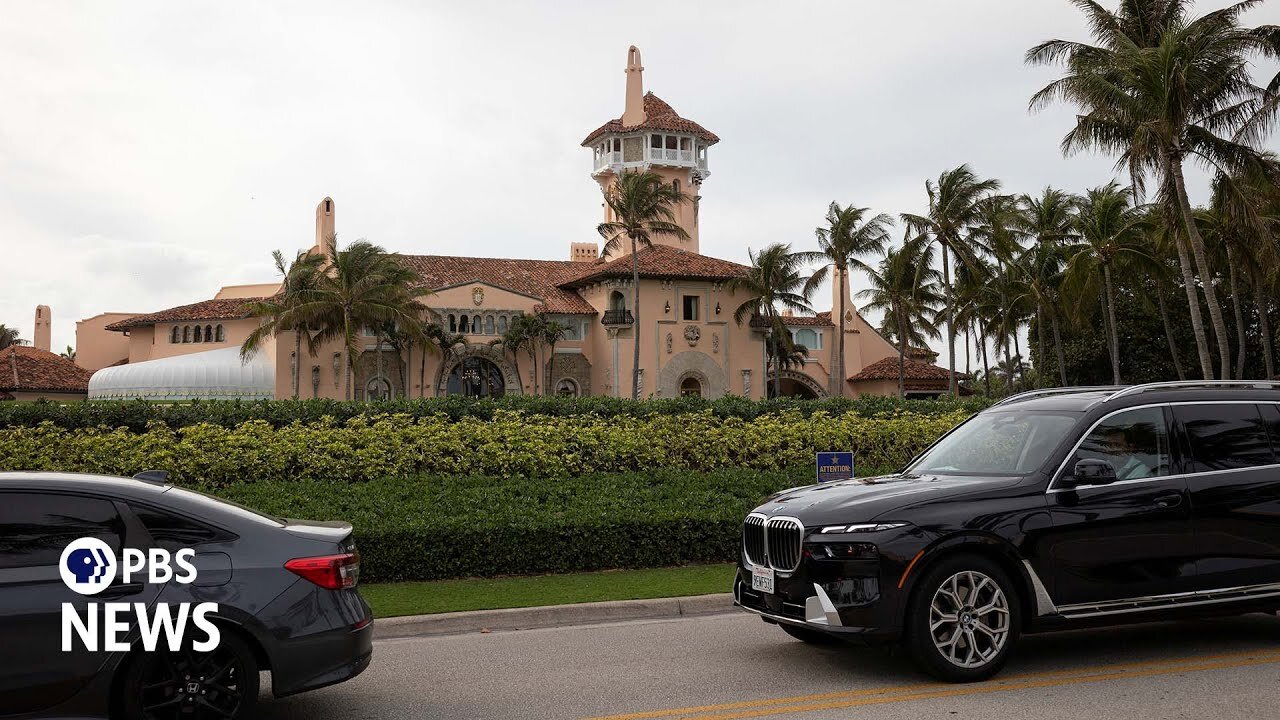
668 343
715 342
746 383
640 382
692 335
477 296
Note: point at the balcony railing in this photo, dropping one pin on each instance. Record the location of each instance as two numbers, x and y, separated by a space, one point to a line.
617 317
660 156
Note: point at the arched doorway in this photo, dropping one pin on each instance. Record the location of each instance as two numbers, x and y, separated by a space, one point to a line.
476 377
797 385
690 387
378 388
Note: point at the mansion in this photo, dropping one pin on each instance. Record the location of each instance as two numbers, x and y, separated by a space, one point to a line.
690 344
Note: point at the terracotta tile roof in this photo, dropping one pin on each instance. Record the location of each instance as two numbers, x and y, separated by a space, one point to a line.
658 115
536 278
224 309
822 319
887 369
663 262
27 369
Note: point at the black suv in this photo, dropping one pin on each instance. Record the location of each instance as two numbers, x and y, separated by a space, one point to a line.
1052 509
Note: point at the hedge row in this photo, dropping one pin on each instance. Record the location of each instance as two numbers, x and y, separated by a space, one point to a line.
138 415
512 444
433 527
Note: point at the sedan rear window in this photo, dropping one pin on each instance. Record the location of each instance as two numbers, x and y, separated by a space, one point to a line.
35 527
997 443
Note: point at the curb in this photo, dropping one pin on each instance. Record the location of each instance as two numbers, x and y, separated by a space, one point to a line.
456 623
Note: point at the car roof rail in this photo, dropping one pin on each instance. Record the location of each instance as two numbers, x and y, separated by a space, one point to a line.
1176 384
155 477
1049 392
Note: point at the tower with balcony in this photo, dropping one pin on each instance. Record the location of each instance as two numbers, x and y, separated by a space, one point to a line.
651 136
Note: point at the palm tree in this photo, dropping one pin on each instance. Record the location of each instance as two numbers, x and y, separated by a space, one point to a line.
1048 220
1160 87
362 286
279 312
68 354
954 204
906 288
9 336
774 279
438 338
1111 236
515 339
644 208
848 236
552 333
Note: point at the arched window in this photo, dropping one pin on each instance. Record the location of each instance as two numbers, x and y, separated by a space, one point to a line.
502 324
808 338
617 301
208 333
476 327
186 333
462 325
221 337
377 389
199 335
690 387
567 388
176 335
453 323
488 324
675 185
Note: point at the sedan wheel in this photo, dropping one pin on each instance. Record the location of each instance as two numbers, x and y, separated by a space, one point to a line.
218 685
963 619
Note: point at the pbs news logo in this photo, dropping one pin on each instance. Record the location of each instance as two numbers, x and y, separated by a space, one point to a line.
88 566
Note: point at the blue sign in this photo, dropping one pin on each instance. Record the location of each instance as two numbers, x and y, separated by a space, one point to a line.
833 466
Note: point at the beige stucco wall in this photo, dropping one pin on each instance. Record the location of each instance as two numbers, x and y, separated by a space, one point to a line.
97 347
245 291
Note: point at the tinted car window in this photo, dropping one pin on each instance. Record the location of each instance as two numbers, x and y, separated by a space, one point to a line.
997 443
1135 442
35 527
1225 436
1271 418
173 532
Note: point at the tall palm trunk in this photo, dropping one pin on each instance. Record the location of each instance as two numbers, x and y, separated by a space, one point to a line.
1016 368
968 340
422 373
1113 336
515 364
986 365
1237 311
1040 379
346 354
951 328
378 352
635 328
902 354
1260 300
549 388
1202 264
1057 344
1168 333
838 375
297 360
1193 306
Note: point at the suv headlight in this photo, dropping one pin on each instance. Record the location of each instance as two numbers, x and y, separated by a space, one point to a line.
862 527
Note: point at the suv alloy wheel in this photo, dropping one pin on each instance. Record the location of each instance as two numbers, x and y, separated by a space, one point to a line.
963 619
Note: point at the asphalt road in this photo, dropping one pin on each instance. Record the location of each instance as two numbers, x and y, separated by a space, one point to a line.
726 667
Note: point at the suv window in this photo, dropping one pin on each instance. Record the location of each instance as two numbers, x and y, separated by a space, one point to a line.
1271 418
997 443
1135 442
1225 436
173 532
35 527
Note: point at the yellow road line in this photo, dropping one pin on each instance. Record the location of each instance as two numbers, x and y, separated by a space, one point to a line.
899 693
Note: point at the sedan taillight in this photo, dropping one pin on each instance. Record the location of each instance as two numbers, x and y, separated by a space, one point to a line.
332 572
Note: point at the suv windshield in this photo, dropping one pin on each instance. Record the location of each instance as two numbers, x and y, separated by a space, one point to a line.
997 443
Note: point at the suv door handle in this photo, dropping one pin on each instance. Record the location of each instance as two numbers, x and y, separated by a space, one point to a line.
1170 500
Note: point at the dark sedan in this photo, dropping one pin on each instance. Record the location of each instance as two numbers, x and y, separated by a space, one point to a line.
1055 509
285 595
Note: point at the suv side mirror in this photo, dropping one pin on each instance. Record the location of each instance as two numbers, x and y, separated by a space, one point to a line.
1092 471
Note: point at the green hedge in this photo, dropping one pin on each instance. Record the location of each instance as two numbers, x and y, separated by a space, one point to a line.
433 527
512 444
138 415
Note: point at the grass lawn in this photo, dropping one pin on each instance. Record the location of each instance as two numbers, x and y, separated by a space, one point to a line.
421 598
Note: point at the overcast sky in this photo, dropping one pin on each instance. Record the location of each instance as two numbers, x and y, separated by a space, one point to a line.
152 152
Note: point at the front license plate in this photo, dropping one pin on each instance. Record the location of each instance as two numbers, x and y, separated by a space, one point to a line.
762 579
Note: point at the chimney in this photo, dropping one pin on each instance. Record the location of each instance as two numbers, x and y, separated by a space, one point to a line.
634 112
584 252
44 327
324 227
